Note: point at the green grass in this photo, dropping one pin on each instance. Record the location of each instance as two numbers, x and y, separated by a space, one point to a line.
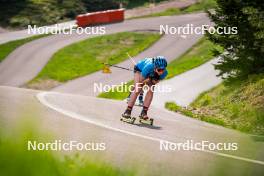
200 53
172 106
237 104
85 57
17 160
202 5
7 48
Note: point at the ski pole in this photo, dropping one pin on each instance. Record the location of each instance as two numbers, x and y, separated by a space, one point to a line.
118 67
131 59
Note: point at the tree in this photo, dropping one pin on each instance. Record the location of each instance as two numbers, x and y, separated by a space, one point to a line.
244 50
98 5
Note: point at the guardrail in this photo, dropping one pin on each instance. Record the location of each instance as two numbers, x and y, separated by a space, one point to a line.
102 17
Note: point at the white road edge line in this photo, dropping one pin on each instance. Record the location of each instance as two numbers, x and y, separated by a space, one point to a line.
41 98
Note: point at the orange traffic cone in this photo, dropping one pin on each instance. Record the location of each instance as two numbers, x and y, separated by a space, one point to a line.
106 69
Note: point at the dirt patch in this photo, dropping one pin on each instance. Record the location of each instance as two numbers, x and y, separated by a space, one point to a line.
43 84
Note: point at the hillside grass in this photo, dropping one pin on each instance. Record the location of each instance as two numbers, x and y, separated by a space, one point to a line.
237 104
85 57
7 48
198 54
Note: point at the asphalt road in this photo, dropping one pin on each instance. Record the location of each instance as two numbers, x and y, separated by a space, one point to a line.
21 34
136 146
84 118
27 61
185 87
170 46
7 36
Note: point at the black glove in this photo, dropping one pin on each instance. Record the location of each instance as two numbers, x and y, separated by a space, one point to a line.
155 77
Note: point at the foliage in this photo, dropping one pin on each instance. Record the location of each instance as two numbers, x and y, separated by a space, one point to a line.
244 50
238 104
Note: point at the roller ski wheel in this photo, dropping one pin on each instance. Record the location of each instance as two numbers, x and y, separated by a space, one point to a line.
148 121
127 119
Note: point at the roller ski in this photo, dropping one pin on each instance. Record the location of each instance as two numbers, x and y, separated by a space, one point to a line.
126 117
144 119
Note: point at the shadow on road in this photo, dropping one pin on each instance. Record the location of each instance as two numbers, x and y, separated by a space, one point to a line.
149 126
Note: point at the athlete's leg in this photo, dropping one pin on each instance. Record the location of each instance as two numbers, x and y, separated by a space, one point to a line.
147 102
128 97
149 96
138 83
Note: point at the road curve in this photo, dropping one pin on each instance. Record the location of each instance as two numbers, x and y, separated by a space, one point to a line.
27 61
21 34
68 118
168 126
185 87
170 46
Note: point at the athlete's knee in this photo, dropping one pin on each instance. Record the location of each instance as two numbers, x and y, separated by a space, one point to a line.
138 88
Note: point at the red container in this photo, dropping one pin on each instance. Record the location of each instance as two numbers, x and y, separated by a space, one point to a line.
100 17
103 17
83 20
116 15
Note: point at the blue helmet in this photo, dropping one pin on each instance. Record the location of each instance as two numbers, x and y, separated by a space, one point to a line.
160 62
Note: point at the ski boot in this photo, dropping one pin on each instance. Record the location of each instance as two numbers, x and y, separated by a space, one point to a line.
140 103
140 99
144 119
126 117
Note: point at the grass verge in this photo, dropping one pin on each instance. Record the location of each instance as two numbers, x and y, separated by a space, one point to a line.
237 104
197 55
115 94
7 48
16 159
200 53
87 56
201 5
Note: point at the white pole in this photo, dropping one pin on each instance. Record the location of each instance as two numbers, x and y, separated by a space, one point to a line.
131 59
